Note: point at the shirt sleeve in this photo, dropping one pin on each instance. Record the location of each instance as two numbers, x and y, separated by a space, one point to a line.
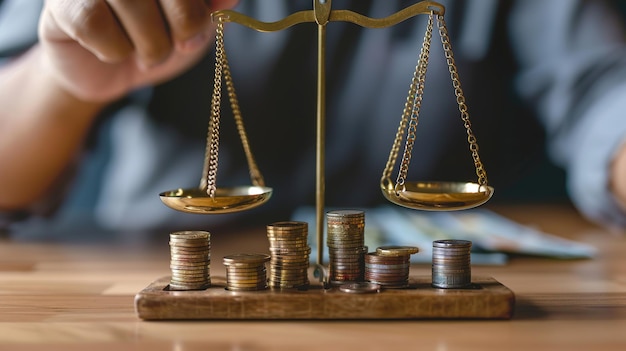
572 58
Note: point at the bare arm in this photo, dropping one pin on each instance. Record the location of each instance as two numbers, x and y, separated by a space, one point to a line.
576 85
91 52
41 127
618 177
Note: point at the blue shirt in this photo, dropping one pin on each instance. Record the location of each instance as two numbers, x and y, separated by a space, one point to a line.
529 69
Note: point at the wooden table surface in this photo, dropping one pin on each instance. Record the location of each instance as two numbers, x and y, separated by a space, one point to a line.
79 296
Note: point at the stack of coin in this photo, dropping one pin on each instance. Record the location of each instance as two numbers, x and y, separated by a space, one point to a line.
389 266
246 272
346 250
451 264
290 252
190 259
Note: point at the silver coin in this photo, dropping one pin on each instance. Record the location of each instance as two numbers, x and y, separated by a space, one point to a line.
360 288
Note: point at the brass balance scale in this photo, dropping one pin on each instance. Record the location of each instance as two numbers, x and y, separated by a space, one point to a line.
420 195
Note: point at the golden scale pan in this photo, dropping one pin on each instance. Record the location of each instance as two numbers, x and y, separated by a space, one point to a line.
207 198
421 195
432 195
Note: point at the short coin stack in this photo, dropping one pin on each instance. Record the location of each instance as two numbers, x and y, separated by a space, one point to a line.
451 264
290 252
346 250
389 266
246 272
190 259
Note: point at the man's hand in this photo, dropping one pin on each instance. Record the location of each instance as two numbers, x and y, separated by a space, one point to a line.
99 50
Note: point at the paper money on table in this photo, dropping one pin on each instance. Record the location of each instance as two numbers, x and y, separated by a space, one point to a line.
493 236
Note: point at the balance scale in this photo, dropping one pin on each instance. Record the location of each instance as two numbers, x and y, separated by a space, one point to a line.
486 298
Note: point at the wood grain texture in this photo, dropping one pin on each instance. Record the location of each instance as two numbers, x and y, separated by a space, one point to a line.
78 294
487 299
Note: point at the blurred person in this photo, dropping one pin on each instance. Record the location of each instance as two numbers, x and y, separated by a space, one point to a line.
106 104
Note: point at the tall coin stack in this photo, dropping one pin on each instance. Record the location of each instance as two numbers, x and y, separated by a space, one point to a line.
290 252
346 245
246 272
451 264
190 259
389 266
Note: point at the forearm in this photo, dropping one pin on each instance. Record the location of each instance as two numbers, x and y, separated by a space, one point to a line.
41 129
577 88
618 177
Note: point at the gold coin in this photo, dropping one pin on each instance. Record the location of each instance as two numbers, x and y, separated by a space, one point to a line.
397 250
247 258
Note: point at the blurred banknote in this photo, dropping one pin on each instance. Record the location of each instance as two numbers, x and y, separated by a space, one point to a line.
493 236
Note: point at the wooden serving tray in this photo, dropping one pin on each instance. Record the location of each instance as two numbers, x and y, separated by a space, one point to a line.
487 299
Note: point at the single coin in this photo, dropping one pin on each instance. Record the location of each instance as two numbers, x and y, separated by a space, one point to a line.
345 213
246 258
360 288
452 243
397 250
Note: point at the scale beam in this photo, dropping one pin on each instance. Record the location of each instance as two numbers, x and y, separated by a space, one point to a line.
424 7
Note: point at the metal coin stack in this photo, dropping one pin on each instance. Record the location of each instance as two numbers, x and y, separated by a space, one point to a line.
389 266
345 241
190 259
290 252
451 264
246 272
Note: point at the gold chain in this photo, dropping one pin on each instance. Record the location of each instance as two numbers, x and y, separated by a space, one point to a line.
412 107
212 145
222 69
460 99
255 174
